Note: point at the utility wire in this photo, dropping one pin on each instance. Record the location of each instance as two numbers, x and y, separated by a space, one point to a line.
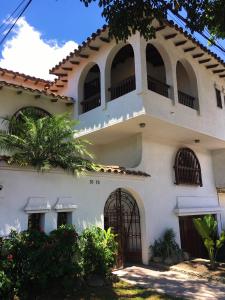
14 23
201 33
205 34
5 22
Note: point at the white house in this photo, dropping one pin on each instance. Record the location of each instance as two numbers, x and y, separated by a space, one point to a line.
154 111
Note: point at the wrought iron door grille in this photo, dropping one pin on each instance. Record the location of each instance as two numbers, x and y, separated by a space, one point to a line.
121 213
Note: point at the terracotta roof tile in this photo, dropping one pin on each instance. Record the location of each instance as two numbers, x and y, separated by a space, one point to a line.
26 77
171 24
44 92
105 169
122 171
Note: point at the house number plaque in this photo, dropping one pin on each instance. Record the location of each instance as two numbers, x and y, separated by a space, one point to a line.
94 181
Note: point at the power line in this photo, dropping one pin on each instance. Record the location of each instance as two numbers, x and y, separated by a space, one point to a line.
14 23
183 22
5 22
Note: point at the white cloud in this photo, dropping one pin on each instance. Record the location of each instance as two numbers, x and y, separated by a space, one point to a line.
28 53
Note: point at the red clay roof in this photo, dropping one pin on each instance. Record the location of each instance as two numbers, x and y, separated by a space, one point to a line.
26 77
171 24
54 97
104 169
122 171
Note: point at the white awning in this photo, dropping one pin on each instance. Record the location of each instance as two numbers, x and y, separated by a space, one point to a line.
197 205
37 205
189 211
65 204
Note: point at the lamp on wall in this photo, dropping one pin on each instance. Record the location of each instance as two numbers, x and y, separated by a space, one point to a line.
197 141
142 125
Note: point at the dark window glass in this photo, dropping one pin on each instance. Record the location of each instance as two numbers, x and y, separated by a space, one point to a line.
62 219
218 98
187 168
34 221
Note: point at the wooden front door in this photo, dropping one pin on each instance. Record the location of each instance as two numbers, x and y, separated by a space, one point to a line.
191 241
121 213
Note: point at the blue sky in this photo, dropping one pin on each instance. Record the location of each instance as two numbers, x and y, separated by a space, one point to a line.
49 30
59 19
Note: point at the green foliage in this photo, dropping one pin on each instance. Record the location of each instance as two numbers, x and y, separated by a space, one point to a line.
207 229
166 246
45 143
125 17
5 286
98 251
32 262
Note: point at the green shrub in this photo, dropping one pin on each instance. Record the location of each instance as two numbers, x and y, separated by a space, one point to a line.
166 246
207 228
32 262
6 290
98 250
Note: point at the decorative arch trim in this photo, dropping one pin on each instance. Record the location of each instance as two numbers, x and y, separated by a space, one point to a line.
187 168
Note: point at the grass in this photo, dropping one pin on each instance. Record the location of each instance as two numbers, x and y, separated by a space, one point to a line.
119 290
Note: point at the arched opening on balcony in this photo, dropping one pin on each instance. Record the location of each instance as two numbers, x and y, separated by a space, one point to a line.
91 90
186 85
122 73
156 71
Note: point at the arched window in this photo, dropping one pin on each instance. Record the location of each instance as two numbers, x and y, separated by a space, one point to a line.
186 85
156 71
187 168
122 72
91 90
30 111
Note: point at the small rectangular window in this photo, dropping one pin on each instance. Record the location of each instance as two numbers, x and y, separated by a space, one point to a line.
219 98
35 221
64 218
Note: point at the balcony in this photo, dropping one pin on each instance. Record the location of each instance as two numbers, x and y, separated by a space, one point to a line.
92 97
158 87
91 103
186 99
123 87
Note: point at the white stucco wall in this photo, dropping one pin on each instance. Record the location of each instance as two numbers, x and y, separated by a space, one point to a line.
157 196
20 185
126 152
208 120
162 196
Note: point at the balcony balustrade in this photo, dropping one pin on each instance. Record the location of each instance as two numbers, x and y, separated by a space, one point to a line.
157 86
186 99
91 103
123 87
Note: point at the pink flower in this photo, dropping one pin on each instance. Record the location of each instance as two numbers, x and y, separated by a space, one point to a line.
10 257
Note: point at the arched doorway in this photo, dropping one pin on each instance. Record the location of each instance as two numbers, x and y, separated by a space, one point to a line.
121 213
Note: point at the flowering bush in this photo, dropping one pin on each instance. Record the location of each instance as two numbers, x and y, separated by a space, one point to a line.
32 262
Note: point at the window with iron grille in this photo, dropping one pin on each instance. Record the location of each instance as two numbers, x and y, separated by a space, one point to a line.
35 221
64 218
218 98
187 168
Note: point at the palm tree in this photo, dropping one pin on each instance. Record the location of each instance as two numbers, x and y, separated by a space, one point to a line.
45 143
